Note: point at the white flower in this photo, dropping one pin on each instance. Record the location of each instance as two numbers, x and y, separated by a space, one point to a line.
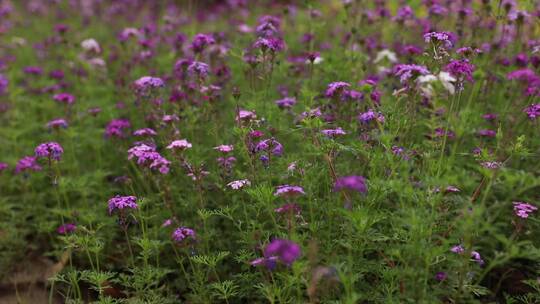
391 56
444 78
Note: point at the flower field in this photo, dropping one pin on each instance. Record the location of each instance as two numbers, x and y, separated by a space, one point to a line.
269 151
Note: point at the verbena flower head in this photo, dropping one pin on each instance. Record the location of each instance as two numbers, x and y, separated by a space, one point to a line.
523 210
245 115
224 148
239 184
122 202
457 249
286 103
408 71
444 38
271 44
351 183
201 41
369 116
148 156
51 150
66 228
441 276
64 98
116 128
533 110
182 233
461 69
4 83
145 132
144 85
286 251
57 123
179 145
27 163
289 191
336 88
33 70
3 166
270 145
198 69
333 132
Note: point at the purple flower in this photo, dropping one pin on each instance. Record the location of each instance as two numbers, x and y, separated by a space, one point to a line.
122 202
201 41
65 98
66 228
179 145
224 148
533 110
4 82
477 258
33 70
408 71
336 88
144 85
182 233
145 132
270 145
286 103
457 249
353 183
116 126
3 166
491 165
148 156
522 209
272 44
286 251
238 184
370 115
333 132
245 115
198 69
441 276
440 37
51 150
487 133
462 69
57 123
289 191
27 163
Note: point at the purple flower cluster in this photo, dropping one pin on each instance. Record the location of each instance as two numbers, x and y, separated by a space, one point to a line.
533 110
122 202
64 98
279 250
116 128
50 150
351 183
4 83
27 163
408 71
289 191
147 156
461 69
523 209
66 228
182 233
445 38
